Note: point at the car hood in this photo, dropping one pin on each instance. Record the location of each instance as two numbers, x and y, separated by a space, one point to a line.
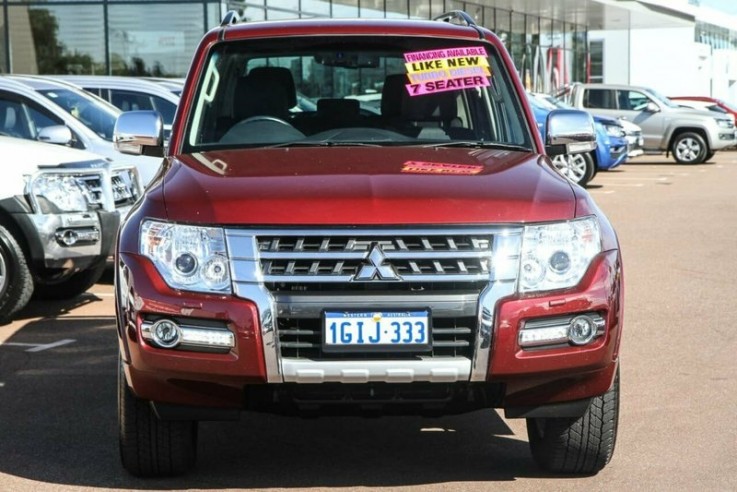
682 112
26 156
364 186
606 121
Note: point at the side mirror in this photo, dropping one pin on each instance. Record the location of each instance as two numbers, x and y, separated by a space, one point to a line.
651 107
139 133
569 131
55 134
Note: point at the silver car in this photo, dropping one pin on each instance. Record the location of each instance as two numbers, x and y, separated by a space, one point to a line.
37 108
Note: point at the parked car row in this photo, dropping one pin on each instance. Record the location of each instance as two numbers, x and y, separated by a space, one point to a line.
691 135
611 144
65 188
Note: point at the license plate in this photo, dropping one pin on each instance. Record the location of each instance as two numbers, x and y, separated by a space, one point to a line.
365 331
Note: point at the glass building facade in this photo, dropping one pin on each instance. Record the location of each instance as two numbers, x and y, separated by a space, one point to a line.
158 37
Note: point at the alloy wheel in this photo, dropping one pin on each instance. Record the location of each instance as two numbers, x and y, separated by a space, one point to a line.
688 149
572 166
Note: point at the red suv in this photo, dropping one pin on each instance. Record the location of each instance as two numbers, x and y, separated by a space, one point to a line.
303 251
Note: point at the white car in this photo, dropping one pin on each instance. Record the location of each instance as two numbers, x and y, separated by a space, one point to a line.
53 111
129 93
58 224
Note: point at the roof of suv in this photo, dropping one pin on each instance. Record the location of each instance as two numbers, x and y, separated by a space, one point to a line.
350 27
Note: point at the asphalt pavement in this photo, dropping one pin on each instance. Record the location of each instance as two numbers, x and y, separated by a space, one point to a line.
678 422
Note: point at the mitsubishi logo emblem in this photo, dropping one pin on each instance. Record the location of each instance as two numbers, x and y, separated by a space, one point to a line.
374 267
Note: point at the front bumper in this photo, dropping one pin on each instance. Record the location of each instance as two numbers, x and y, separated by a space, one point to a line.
723 139
528 377
635 144
73 240
612 154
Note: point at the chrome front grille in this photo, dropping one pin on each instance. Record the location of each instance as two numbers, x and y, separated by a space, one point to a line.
457 273
431 256
92 184
125 187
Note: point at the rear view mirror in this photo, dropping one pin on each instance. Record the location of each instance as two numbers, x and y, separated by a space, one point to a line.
651 107
569 131
55 134
139 133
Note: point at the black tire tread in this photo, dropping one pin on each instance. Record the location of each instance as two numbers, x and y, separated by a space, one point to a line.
150 447
20 289
582 445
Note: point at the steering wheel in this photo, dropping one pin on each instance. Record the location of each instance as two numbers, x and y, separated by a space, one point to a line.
273 119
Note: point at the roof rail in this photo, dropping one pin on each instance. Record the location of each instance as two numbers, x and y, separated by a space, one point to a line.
456 15
230 18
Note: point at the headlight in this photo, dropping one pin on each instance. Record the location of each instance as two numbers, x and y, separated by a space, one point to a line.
614 130
57 193
724 123
556 256
188 257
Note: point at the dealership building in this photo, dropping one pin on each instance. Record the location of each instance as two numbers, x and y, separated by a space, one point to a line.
677 46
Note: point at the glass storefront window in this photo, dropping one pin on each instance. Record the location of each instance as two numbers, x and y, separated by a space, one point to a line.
503 26
57 39
274 14
579 54
158 37
3 44
517 38
283 4
214 15
143 45
316 8
345 8
371 8
437 7
396 9
419 9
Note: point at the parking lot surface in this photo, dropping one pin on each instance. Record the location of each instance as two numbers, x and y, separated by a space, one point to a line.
678 424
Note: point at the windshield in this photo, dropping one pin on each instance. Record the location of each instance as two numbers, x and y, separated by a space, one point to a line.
355 91
95 115
661 98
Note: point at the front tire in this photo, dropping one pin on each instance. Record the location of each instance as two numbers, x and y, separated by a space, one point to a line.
16 282
150 447
578 168
689 148
581 445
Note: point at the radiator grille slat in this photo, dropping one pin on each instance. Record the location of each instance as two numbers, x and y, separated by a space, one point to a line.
307 271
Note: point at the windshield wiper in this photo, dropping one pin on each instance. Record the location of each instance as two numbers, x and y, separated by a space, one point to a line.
479 144
321 143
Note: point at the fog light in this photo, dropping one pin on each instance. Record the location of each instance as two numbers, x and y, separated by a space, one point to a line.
582 330
548 335
218 339
68 237
166 333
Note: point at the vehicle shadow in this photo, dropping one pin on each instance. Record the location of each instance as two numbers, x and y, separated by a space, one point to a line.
58 425
51 309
